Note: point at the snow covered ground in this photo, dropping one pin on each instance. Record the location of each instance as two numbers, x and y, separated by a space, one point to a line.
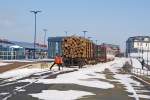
61 95
3 63
28 60
80 77
20 73
126 79
91 76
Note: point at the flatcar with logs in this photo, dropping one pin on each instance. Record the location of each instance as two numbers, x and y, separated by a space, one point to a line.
81 51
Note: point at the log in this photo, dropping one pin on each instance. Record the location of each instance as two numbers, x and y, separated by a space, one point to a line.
77 47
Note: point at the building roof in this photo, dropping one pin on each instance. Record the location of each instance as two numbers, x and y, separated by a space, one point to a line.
29 45
138 38
6 43
56 39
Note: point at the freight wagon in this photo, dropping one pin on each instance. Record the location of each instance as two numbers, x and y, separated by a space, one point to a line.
105 53
79 51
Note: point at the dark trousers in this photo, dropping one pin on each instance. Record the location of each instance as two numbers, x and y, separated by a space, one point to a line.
59 65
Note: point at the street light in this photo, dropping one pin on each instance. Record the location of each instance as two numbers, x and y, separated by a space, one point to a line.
45 30
66 33
147 51
96 41
35 12
85 33
89 38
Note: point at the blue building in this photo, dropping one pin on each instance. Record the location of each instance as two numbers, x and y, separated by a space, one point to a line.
21 50
54 46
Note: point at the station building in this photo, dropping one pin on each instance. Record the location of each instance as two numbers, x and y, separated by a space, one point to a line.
10 50
137 44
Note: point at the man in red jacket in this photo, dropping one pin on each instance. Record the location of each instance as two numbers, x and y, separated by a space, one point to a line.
58 60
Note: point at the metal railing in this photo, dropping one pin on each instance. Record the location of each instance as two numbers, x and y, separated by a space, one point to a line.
140 72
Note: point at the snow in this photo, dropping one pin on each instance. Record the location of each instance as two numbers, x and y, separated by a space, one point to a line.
29 60
20 73
4 64
137 55
127 81
15 46
141 91
85 77
124 79
144 96
136 63
81 77
18 60
60 95
5 93
19 89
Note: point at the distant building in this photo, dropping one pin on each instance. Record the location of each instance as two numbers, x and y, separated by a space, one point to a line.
54 46
137 44
21 50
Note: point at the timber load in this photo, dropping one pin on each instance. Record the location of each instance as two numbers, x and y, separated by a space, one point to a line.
77 50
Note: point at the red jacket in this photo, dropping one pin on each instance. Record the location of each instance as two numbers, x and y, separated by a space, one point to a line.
58 60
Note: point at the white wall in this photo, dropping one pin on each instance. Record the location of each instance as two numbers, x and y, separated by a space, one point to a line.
141 45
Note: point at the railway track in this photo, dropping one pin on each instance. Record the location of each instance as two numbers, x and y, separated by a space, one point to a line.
35 76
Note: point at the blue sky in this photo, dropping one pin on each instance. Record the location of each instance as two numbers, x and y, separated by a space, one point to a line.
110 21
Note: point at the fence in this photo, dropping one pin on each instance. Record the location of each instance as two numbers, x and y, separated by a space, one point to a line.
140 72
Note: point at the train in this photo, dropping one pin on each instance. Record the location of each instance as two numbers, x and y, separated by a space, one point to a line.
81 51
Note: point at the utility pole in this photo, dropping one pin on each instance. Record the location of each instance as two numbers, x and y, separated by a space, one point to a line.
45 30
89 38
96 42
96 49
35 13
66 33
85 33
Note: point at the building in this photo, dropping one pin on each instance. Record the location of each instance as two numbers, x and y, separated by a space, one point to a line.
54 46
21 50
137 44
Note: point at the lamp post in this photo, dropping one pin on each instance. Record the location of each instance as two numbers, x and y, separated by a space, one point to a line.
85 33
66 33
89 38
147 51
35 13
45 30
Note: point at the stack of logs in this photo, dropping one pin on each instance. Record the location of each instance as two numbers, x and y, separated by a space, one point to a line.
77 47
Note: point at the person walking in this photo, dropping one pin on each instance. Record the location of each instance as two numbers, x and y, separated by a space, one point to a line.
142 63
58 60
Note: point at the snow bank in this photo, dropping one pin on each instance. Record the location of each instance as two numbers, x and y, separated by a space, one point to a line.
17 60
20 73
60 95
4 64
